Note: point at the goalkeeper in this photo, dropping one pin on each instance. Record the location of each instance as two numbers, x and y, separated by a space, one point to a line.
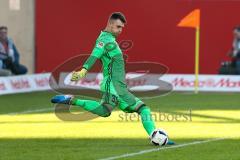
113 86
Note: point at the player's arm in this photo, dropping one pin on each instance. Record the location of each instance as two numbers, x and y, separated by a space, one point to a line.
96 54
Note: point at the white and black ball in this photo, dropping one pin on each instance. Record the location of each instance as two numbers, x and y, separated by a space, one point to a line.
159 137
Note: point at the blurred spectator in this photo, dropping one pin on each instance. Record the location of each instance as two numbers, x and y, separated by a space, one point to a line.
4 72
233 66
235 52
9 55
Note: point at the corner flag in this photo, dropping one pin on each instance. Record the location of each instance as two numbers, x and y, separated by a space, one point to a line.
193 20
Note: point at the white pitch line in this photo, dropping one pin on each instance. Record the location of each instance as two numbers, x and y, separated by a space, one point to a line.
163 148
32 111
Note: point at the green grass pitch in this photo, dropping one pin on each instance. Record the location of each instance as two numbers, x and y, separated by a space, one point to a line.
204 126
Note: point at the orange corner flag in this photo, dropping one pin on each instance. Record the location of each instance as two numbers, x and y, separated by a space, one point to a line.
191 20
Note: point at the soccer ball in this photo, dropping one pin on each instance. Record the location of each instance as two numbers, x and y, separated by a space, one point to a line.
159 137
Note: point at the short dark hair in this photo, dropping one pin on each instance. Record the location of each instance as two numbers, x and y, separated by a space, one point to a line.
3 27
118 15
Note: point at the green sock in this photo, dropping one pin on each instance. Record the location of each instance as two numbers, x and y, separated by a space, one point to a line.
92 106
147 121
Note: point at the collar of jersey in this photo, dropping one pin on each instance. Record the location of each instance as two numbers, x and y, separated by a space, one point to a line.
109 33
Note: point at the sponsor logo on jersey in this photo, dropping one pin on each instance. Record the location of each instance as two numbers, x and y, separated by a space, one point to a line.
100 44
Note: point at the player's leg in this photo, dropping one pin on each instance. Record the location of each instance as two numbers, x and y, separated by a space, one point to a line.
101 109
147 121
129 103
94 107
144 112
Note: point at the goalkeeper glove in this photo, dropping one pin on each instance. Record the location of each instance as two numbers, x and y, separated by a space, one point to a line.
79 74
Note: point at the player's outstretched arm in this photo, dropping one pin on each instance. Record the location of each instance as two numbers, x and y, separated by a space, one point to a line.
77 75
97 53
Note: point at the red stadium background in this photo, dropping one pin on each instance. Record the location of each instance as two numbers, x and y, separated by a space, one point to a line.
65 28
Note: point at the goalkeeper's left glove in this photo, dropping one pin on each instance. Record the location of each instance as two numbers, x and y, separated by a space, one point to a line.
79 74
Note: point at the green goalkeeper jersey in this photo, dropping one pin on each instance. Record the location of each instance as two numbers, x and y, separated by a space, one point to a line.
113 86
108 51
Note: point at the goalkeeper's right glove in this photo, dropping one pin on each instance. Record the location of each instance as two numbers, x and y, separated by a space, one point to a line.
76 76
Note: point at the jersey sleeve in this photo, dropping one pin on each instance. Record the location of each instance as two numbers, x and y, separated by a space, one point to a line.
98 49
97 53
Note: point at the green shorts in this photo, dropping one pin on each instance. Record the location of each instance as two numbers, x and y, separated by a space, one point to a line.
118 95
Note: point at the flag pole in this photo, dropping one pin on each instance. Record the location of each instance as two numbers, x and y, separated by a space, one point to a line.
197 43
193 20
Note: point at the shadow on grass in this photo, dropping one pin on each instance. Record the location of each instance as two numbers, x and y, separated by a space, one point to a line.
96 148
